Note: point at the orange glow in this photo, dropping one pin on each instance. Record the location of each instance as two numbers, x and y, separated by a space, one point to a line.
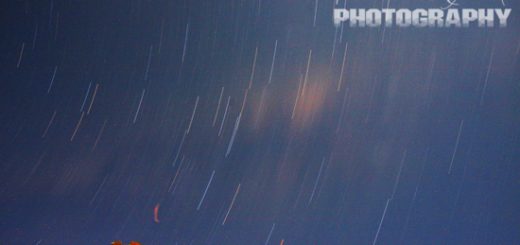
310 101
156 213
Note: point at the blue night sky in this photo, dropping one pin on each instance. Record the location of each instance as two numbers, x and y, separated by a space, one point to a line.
231 122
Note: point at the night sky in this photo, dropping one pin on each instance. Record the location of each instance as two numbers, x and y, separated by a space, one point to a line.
233 122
